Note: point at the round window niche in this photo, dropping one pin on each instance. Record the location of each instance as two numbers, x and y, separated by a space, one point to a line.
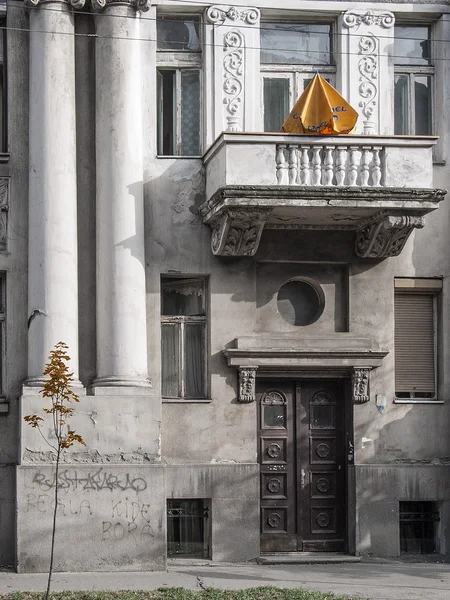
300 301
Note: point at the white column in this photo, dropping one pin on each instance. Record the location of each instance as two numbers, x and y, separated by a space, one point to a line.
52 237
232 70
365 74
121 292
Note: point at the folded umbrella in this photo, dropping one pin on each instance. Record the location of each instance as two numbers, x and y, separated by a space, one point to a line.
320 110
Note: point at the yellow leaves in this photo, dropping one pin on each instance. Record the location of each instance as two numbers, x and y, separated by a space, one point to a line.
33 420
72 438
57 387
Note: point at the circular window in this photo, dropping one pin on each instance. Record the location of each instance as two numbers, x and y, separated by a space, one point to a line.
300 301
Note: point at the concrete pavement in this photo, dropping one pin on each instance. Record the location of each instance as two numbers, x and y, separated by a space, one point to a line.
377 580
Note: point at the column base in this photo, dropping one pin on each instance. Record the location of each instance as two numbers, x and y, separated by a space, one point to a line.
33 385
120 386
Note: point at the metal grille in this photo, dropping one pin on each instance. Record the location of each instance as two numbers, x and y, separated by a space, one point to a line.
418 527
186 527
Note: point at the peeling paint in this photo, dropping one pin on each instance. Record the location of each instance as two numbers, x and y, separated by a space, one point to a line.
93 456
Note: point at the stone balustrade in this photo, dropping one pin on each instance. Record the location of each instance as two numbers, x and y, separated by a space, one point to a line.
354 161
330 165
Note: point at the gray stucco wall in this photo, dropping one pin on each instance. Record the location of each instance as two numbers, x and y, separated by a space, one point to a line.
7 516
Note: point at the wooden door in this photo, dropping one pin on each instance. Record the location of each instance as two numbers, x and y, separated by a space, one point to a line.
302 463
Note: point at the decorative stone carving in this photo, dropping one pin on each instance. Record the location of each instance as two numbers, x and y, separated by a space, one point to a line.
73 3
140 5
370 26
247 379
3 213
237 232
233 85
232 46
387 237
360 385
219 15
353 18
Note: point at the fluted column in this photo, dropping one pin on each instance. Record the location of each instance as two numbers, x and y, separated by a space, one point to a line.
52 239
121 293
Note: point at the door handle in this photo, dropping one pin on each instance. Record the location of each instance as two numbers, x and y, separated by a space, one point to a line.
302 477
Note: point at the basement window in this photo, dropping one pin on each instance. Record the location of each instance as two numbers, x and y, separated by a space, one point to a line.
418 527
187 531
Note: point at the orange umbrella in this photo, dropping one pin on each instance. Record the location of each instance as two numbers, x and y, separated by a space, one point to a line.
320 109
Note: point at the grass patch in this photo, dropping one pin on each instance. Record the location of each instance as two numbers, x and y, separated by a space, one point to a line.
260 593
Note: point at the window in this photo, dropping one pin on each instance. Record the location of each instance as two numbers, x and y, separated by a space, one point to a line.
418 527
183 338
187 528
416 338
290 55
413 80
179 81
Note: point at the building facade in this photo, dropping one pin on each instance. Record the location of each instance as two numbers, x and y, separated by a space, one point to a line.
258 322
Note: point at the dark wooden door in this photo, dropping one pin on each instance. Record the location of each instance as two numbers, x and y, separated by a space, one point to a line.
302 462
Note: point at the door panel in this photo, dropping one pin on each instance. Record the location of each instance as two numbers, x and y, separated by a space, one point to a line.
277 460
302 463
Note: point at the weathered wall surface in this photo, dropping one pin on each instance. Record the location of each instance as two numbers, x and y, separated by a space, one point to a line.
7 516
378 491
234 494
109 517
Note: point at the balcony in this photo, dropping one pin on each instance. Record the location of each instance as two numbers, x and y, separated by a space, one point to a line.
378 187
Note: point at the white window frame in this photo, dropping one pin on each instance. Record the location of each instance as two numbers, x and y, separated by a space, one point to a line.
180 60
182 321
411 71
431 287
296 74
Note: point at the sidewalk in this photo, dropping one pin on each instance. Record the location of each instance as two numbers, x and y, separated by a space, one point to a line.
387 580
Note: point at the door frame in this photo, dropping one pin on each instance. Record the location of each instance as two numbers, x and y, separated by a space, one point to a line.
348 420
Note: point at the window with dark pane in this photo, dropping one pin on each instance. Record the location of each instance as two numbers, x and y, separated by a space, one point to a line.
183 337
178 112
187 528
178 33
413 83
418 527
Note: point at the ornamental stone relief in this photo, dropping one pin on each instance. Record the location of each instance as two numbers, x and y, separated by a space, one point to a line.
368 24
233 74
387 237
221 14
247 379
237 232
360 385
233 32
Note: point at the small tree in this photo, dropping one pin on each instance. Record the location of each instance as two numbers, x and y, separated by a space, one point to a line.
57 387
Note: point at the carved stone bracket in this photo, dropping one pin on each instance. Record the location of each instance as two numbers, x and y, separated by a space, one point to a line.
360 385
3 213
247 379
387 237
236 232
